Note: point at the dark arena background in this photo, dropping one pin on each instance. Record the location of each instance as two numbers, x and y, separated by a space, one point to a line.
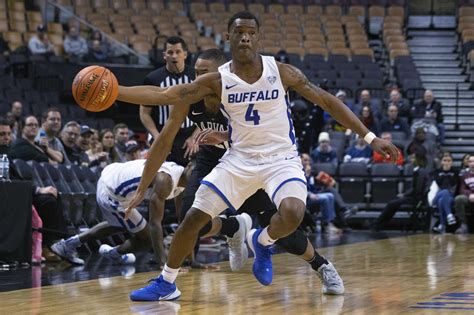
399 233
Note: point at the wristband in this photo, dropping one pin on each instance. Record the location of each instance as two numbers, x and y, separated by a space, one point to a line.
370 137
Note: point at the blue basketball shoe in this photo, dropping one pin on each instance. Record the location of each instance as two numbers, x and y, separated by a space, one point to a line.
262 265
157 290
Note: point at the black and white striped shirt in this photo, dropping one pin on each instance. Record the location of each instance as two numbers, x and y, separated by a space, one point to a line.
163 78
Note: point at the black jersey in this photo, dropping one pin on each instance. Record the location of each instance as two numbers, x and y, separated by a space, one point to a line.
163 78
205 120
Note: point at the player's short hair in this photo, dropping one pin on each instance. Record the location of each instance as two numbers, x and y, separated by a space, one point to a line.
242 15
173 40
213 54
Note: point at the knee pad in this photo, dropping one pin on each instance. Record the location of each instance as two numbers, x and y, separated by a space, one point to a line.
295 243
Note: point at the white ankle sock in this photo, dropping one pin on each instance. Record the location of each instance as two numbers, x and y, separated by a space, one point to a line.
169 274
265 239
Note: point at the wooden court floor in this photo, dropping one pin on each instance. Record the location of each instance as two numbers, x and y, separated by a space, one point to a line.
418 274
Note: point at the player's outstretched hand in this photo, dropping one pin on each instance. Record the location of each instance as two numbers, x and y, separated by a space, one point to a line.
386 148
192 147
134 202
211 137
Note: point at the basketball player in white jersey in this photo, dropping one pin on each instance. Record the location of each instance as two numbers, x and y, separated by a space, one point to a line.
263 153
117 182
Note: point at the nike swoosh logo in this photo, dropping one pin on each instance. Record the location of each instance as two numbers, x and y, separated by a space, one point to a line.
227 87
196 114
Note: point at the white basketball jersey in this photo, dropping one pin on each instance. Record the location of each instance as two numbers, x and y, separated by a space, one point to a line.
259 115
122 179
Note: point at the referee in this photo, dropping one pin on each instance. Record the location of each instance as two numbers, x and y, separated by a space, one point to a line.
154 117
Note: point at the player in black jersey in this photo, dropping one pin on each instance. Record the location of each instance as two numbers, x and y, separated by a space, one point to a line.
207 115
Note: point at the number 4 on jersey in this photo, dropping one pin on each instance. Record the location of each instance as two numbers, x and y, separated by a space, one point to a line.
252 115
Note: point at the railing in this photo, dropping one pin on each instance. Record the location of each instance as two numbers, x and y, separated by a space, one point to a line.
143 60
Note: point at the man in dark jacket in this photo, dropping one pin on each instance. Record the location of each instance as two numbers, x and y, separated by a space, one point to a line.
421 184
45 199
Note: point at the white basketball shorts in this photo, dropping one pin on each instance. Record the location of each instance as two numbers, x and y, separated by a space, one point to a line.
113 211
236 178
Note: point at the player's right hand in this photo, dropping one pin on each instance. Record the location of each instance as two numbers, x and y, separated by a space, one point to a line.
134 202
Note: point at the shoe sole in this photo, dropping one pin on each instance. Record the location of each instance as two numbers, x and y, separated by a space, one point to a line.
51 248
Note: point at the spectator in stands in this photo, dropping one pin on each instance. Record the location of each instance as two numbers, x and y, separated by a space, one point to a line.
401 104
17 111
369 120
421 185
360 151
446 179
464 164
45 199
74 44
465 197
429 108
132 150
96 54
176 71
25 147
378 158
96 154
104 44
69 135
331 123
50 128
107 139
324 153
121 138
40 44
14 125
81 146
419 143
394 123
366 100
317 199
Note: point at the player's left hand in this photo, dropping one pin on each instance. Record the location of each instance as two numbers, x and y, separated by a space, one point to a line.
386 148
192 147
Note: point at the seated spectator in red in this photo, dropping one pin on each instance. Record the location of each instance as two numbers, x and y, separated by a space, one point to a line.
26 149
360 151
394 123
96 54
369 120
324 153
378 158
465 197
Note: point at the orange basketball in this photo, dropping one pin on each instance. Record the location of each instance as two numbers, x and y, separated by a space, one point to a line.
95 88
